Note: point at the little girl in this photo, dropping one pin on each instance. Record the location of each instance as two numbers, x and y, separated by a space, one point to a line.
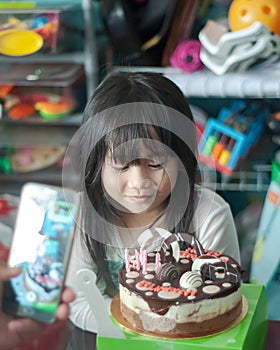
138 171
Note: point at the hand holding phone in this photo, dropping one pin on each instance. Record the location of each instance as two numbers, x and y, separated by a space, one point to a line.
27 334
41 246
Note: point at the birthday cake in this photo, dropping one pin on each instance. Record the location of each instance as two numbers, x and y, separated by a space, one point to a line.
180 291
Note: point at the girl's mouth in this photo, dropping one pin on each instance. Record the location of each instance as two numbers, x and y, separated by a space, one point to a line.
138 199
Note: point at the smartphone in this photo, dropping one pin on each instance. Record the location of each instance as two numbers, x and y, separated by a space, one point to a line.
41 246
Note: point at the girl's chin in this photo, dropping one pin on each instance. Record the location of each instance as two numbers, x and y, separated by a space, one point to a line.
137 209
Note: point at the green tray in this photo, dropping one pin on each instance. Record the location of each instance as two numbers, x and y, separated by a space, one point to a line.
17 4
249 334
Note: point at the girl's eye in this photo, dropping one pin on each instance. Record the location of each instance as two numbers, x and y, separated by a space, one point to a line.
156 166
120 167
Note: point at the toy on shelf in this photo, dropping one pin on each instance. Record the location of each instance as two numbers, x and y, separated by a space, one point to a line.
19 42
28 159
5 89
21 104
228 138
5 165
186 56
26 33
252 36
5 159
224 51
5 207
48 90
273 123
55 108
242 13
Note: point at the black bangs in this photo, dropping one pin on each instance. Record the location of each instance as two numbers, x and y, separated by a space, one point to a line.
125 143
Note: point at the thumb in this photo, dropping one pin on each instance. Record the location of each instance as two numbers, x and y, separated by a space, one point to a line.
7 272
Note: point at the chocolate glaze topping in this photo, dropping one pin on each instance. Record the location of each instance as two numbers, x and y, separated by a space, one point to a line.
194 277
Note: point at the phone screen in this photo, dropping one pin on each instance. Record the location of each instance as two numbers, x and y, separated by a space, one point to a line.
41 246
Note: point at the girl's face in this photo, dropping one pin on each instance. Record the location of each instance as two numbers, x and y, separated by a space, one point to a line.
141 185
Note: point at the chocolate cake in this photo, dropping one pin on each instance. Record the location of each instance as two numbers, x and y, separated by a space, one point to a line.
182 290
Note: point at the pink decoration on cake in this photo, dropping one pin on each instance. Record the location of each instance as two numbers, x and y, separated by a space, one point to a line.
187 56
127 260
137 260
157 263
144 261
142 254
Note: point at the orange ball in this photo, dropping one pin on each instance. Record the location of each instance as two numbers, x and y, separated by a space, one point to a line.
243 13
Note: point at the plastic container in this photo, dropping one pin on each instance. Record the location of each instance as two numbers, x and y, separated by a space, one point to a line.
45 90
45 22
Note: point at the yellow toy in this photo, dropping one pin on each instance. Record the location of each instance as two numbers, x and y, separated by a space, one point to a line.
243 13
54 109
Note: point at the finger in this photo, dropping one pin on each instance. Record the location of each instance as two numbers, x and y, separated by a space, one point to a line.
68 295
63 312
7 272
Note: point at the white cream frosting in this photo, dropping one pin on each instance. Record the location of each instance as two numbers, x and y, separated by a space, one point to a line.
187 312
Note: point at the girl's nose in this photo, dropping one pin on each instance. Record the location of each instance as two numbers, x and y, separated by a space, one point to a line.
139 178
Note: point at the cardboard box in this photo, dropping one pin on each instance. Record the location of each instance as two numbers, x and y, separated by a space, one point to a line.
250 333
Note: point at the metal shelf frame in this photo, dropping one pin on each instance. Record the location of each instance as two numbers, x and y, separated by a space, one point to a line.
256 180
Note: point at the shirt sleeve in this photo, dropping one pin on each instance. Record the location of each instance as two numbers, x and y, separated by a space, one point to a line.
216 228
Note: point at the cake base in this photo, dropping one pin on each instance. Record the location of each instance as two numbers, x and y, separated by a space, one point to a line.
250 333
221 323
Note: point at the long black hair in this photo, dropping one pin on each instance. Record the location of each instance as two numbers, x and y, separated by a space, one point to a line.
122 109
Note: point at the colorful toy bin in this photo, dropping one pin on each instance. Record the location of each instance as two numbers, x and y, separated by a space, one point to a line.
18 25
229 137
37 91
250 333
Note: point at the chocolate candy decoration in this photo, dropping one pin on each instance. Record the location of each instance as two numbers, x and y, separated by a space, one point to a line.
167 272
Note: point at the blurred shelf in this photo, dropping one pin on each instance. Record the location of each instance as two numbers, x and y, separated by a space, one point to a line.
51 175
37 131
258 82
35 135
252 173
69 57
70 120
257 179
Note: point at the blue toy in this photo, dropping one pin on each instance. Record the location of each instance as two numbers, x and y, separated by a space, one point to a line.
229 137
